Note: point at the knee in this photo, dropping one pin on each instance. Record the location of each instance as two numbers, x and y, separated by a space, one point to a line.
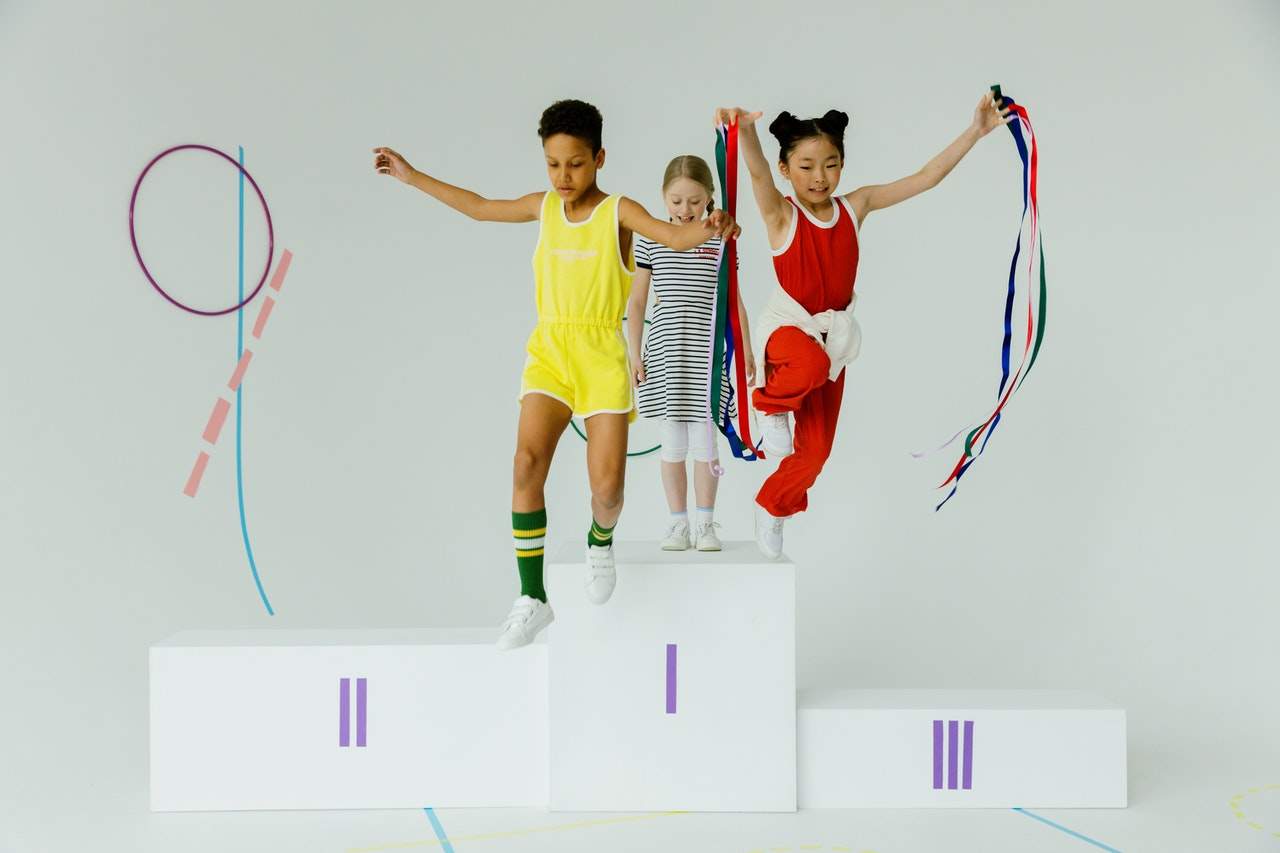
807 464
675 441
702 442
814 362
607 491
529 467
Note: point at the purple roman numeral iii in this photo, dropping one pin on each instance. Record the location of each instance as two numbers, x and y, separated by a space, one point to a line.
959 775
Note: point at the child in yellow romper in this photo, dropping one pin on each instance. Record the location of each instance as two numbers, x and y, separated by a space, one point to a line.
577 357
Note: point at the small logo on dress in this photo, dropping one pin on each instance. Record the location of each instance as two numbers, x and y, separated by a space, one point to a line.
707 250
575 254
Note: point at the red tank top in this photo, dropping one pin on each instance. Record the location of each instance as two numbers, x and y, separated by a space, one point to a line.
819 262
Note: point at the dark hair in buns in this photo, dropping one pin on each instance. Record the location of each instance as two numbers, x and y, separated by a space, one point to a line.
791 131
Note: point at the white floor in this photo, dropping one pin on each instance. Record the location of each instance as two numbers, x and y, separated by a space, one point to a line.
98 813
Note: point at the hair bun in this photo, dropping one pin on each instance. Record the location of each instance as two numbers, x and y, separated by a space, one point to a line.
834 122
780 125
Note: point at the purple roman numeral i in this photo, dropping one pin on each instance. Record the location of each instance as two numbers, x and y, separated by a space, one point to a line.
671 678
959 775
344 711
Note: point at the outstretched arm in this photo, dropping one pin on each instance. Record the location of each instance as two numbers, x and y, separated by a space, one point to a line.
682 238
523 209
986 117
773 207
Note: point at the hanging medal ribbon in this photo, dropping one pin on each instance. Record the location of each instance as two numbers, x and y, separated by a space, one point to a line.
1034 294
727 355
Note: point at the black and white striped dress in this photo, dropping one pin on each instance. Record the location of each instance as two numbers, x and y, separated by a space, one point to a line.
677 348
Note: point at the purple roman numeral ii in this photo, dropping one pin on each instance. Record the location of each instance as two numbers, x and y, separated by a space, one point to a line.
344 711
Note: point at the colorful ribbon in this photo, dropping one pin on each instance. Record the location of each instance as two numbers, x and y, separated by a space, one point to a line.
726 355
1035 297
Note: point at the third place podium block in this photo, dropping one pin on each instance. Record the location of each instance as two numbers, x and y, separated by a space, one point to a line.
679 693
281 719
960 749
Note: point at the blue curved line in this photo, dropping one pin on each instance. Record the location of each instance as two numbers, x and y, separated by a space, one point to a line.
440 834
244 527
1070 832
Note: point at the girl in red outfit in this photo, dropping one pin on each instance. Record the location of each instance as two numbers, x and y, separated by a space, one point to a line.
807 331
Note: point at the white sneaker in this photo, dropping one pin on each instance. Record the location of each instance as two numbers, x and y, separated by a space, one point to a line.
706 538
776 433
528 616
768 533
601 574
677 538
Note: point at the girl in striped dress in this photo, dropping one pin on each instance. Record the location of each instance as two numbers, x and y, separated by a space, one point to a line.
672 369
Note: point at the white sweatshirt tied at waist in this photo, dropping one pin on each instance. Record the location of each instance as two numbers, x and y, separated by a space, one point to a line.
837 332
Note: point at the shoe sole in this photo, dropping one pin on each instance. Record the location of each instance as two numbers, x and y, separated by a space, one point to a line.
716 548
673 548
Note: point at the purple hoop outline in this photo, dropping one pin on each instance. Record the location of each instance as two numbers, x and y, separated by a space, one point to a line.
271 236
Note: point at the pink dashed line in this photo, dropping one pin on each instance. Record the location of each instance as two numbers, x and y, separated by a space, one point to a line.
263 314
193 482
216 419
236 378
278 279
222 407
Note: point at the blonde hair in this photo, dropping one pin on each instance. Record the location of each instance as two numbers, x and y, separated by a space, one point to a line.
695 169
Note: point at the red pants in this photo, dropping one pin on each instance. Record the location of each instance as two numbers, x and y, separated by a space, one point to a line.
796 381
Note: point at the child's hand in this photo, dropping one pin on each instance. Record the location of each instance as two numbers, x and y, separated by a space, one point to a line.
721 224
637 371
751 370
989 115
388 162
728 115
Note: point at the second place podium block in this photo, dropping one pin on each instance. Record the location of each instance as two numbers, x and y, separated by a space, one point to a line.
281 719
679 693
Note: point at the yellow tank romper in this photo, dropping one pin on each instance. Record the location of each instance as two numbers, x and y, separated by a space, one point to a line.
577 353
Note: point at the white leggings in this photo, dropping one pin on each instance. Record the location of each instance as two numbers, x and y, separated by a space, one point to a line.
678 437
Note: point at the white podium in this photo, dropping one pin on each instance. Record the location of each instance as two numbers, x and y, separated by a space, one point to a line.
277 719
679 693
960 749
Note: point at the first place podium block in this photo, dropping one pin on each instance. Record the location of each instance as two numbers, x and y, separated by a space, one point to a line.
679 693
279 719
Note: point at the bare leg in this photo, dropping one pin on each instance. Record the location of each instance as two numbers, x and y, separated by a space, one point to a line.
542 421
606 465
705 485
675 482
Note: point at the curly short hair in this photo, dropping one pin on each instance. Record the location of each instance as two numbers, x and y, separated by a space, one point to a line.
576 118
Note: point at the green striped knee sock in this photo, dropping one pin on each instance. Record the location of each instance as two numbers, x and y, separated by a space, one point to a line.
530 531
600 536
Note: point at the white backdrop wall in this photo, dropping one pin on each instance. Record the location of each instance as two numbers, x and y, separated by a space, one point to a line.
1116 535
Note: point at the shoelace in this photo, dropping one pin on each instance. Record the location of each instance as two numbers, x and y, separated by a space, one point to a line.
676 525
709 527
